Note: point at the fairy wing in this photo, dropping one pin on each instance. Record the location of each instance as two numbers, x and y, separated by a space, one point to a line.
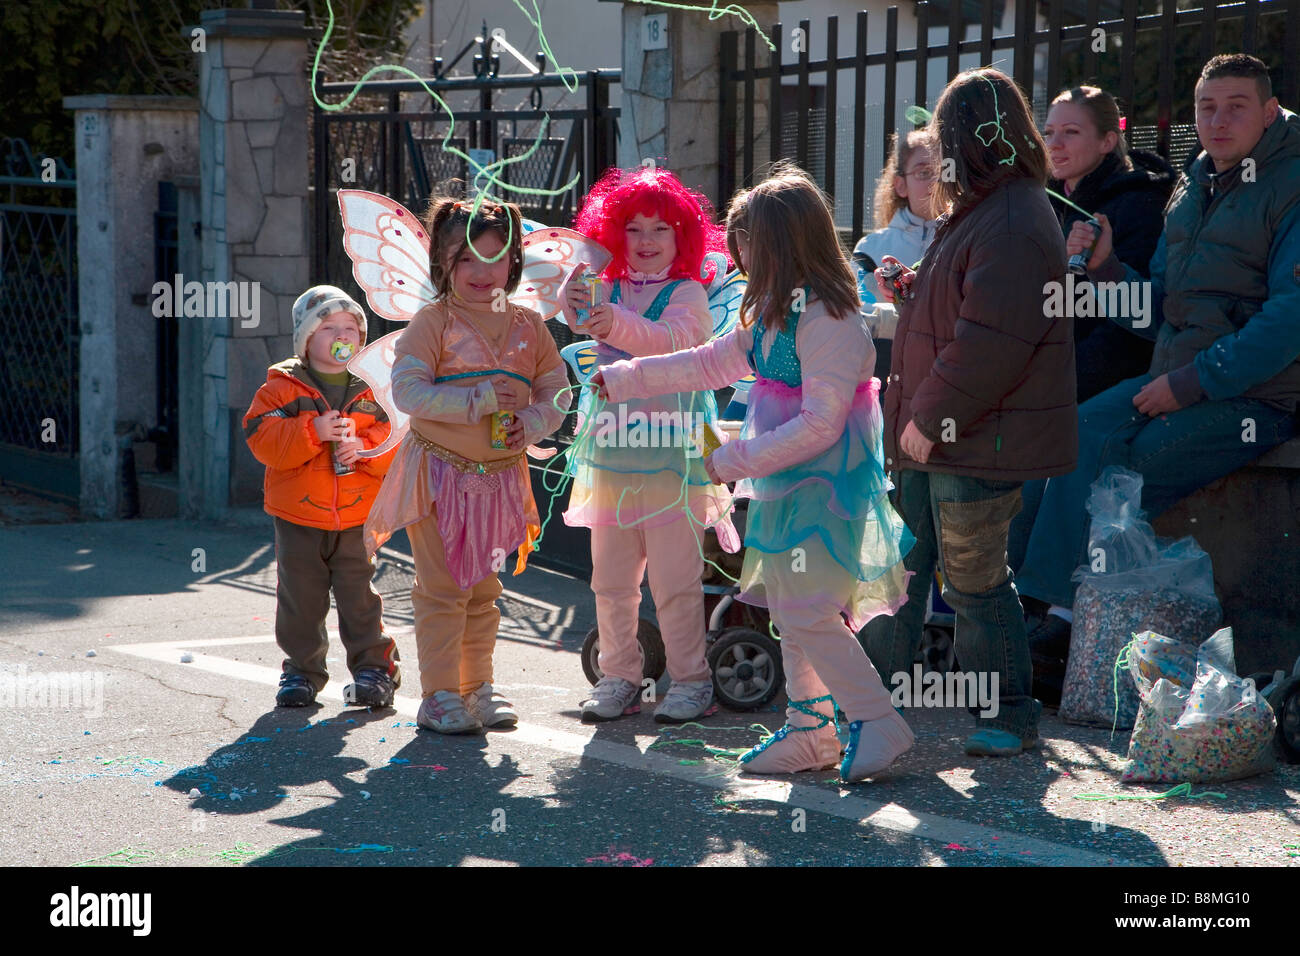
374 364
550 254
389 250
735 410
581 357
724 303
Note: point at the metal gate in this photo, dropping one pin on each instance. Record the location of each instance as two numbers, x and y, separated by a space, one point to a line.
39 331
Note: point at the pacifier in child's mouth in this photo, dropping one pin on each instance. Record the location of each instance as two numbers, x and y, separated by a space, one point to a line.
342 351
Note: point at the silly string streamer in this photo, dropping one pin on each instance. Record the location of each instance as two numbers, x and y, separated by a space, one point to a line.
919 116
489 172
714 13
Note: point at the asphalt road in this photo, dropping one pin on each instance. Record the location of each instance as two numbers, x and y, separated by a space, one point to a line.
174 753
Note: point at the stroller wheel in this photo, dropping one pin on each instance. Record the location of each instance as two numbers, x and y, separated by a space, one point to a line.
653 657
1285 701
746 668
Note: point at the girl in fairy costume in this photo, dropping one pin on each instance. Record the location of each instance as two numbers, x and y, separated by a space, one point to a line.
824 545
639 482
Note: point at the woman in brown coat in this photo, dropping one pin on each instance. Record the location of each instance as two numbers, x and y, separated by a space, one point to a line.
982 382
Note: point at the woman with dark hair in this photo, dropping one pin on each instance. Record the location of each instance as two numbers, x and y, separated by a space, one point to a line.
981 395
1093 168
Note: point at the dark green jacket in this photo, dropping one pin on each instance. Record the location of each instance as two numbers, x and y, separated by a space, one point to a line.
1226 277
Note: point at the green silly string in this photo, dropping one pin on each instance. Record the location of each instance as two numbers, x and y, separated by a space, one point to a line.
489 172
715 13
1182 790
919 116
1122 662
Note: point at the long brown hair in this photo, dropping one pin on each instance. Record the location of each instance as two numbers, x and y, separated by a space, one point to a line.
446 220
792 243
983 124
1104 111
901 148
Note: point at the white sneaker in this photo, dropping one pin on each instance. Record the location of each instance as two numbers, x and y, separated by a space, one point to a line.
685 701
445 712
609 699
490 708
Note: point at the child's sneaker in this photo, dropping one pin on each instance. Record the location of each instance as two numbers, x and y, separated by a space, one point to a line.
609 699
445 712
295 691
489 708
874 745
370 687
685 701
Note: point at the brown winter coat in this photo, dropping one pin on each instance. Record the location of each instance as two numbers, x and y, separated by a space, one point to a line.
985 373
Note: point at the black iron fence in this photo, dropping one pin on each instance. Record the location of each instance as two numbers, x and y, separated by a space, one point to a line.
390 141
836 116
38 321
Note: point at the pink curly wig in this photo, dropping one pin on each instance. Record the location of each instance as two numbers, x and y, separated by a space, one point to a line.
621 194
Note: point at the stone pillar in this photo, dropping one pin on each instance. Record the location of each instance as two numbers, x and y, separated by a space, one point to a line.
253 206
670 96
126 145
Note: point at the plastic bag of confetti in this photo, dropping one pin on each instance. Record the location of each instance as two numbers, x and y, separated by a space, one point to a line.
1098 690
1133 582
1217 729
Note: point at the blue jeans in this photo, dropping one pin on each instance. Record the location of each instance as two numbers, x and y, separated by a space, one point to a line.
964 522
1176 454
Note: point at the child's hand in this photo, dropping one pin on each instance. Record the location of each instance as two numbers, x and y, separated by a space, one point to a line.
329 426
576 292
601 322
887 288
915 445
515 433
349 450
712 473
597 381
507 400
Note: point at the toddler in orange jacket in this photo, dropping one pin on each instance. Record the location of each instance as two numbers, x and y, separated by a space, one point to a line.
308 425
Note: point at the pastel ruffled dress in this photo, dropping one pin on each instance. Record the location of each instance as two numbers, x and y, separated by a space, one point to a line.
638 463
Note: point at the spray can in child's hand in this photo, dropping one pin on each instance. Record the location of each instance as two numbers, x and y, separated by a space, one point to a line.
500 425
1078 263
349 432
592 281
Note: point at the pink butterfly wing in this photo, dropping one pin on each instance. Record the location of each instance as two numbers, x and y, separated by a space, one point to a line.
389 250
550 254
374 364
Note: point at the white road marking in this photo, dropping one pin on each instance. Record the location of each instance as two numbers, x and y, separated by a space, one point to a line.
843 804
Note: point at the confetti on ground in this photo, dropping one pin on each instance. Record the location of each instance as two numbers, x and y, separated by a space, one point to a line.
620 859
398 760
187 658
956 846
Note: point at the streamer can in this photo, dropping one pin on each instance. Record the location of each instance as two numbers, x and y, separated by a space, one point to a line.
592 281
892 272
710 440
500 425
1078 263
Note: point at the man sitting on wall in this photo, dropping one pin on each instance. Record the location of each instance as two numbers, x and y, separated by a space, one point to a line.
1224 381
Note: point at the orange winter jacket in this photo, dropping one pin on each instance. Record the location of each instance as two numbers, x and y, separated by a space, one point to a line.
300 482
